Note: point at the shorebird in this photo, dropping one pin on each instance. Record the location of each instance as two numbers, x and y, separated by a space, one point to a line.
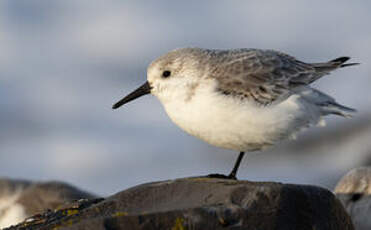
242 99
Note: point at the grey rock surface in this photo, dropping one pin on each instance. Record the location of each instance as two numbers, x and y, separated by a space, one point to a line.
20 199
203 203
354 191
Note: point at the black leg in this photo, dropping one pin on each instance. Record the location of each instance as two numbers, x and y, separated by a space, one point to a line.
233 174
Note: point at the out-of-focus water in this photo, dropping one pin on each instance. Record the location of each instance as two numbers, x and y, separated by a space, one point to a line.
64 63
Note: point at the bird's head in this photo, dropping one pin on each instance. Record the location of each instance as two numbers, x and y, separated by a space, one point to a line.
171 75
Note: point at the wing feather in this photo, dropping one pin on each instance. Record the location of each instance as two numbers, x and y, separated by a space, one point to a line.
265 76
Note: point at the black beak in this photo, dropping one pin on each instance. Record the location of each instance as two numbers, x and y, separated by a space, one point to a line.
143 90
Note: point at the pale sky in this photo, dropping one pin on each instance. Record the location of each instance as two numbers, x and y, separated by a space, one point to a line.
64 63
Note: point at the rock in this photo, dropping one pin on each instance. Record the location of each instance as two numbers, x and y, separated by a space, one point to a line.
355 181
354 191
203 203
20 199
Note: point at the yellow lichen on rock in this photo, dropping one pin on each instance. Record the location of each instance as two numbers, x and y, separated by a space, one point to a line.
71 212
178 224
117 214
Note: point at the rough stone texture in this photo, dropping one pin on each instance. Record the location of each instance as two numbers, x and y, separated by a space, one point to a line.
354 191
203 203
20 199
355 181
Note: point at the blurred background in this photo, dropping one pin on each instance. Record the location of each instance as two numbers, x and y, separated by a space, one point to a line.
64 63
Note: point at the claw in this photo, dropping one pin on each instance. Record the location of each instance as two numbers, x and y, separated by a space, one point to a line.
222 176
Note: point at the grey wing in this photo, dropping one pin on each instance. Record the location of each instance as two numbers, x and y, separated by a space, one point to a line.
263 76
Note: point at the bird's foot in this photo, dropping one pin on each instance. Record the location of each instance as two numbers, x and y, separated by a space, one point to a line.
222 176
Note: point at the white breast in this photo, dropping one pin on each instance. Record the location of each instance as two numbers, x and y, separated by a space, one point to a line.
230 123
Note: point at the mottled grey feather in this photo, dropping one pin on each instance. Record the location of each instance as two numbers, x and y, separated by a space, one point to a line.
264 76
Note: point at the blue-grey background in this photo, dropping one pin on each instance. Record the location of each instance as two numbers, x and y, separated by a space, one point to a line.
64 63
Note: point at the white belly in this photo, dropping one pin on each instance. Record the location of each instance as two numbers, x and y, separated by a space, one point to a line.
229 123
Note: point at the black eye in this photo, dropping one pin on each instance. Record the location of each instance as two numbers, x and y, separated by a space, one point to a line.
166 74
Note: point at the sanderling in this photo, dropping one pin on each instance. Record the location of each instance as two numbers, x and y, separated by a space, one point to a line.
242 99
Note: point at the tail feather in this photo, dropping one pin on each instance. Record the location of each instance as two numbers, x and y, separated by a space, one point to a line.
349 64
339 62
333 64
326 103
341 110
